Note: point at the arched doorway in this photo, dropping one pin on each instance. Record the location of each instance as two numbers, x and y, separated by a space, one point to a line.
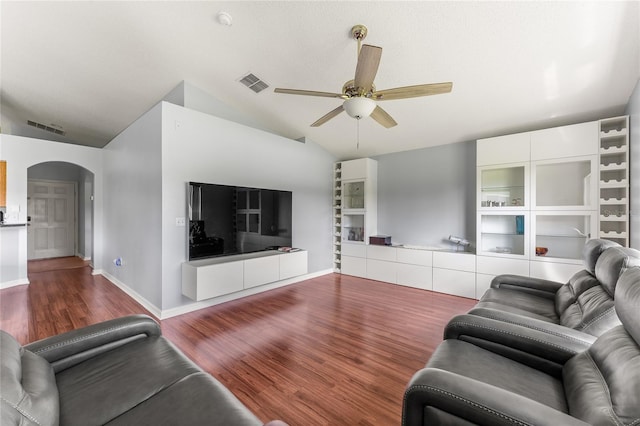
59 210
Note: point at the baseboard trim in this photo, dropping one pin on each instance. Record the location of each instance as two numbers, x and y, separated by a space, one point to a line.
131 292
14 283
185 309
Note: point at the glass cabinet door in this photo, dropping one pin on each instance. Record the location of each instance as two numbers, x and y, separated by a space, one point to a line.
503 187
561 235
353 227
569 184
353 195
501 234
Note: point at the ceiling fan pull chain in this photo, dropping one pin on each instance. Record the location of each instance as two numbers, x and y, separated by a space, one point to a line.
358 134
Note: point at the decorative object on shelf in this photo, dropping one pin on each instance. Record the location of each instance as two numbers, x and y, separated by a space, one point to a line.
380 240
459 242
520 225
541 251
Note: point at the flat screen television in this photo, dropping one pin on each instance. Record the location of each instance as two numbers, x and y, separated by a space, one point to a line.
226 220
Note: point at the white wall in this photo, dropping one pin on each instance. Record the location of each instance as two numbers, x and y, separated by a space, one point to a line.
22 153
633 110
203 148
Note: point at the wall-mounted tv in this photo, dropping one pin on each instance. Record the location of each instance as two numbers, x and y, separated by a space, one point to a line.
226 220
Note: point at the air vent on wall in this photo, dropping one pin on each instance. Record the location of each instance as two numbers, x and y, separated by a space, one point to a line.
254 83
52 128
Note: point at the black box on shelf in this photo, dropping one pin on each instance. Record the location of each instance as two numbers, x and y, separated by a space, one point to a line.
380 240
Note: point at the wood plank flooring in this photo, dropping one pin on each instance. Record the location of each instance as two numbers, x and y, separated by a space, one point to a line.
333 350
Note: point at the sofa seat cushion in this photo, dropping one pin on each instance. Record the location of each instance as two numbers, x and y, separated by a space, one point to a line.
109 385
470 361
181 404
29 395
520 303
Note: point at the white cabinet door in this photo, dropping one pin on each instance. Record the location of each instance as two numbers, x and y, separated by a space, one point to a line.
357 169
381 253
415 257
261 270
483 283
381 270
565 141
458 283
415 276
355 250
560 272
498 266
205 282
503 149
356 266
455 261
293 264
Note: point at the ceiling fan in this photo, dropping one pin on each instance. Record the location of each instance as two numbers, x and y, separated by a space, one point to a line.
360 95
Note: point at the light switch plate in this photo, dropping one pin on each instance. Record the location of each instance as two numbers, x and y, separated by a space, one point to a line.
180 221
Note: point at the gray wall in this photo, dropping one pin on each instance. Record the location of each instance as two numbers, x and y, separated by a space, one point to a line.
133 206
424 195
633 110
202 148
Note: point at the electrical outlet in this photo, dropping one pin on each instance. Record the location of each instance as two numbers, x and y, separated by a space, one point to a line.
180 221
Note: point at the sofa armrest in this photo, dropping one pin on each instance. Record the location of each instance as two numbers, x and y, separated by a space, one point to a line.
68 349
434 396
538 344
536 286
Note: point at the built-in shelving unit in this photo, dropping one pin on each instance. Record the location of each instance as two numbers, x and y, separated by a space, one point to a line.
614 179
337 217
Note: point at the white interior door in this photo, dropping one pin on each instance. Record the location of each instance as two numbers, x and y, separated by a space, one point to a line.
51 207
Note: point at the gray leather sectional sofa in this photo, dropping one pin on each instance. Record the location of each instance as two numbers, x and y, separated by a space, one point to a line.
119 372
535 352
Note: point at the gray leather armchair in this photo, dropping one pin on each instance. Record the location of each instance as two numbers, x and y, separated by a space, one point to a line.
119 372
584 303
464 384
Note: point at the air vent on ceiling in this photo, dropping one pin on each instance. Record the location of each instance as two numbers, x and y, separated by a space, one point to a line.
52 128
254 83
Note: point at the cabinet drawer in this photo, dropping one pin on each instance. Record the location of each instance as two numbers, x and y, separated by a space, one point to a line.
415 276
415 257
498 266
355 250
261 270
356 266
483 283
458 283
293 264
457 261
560 272
381 270
381 253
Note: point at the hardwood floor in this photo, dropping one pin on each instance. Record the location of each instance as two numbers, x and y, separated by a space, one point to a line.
333 350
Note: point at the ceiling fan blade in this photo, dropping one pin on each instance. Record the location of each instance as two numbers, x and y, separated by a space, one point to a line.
368 61
412 91
327 117
309 93
382 117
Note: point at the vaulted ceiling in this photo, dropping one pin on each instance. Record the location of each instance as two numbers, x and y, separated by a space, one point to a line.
92 68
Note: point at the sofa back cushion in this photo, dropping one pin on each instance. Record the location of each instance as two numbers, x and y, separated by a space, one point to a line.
592 250
585 303
602 384
28 391
612 263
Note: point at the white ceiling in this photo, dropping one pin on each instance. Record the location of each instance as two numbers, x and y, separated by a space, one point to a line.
95 67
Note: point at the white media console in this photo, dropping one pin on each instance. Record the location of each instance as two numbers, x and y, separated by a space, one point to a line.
209 278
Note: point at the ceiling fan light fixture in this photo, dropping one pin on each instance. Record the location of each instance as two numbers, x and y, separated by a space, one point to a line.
359 107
